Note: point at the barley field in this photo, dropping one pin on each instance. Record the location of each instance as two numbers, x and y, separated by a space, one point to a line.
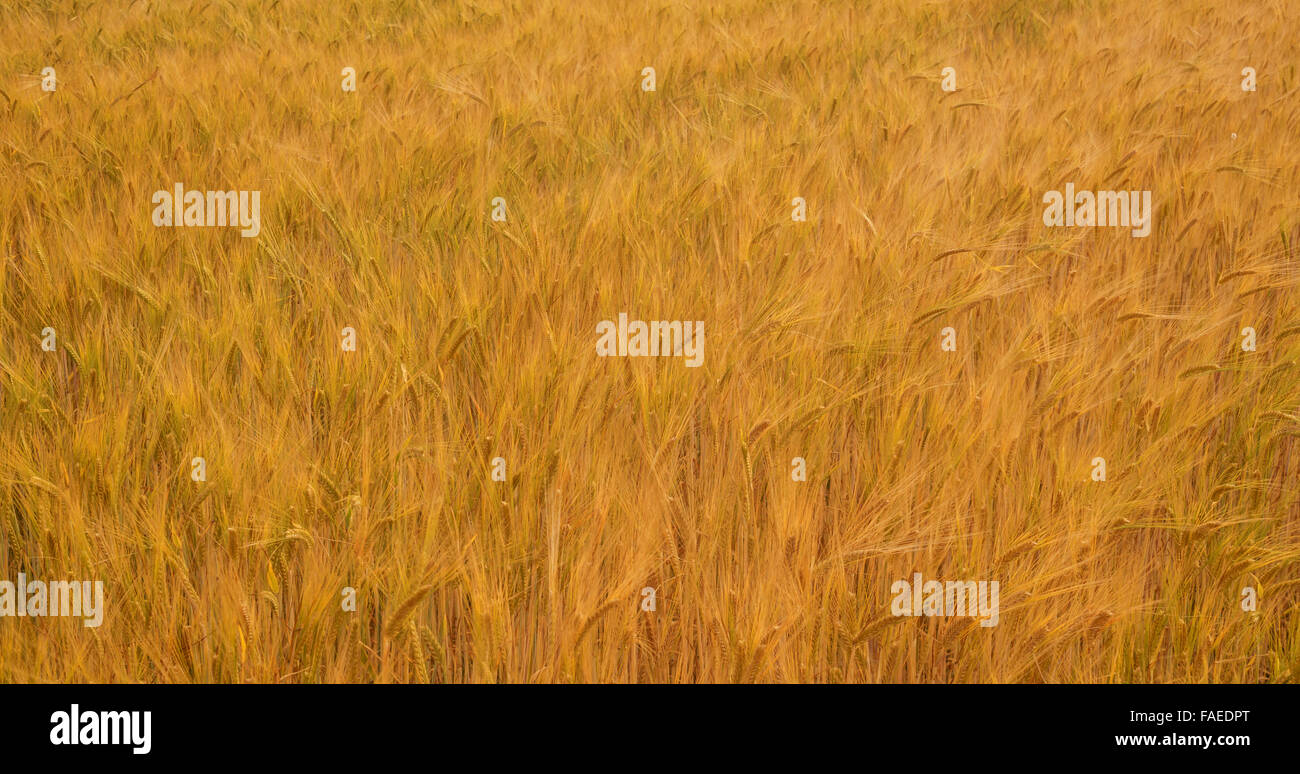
651 525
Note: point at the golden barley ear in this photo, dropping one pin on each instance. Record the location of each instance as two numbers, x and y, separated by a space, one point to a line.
398 619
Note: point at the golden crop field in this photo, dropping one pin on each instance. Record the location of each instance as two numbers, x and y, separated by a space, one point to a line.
378 436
